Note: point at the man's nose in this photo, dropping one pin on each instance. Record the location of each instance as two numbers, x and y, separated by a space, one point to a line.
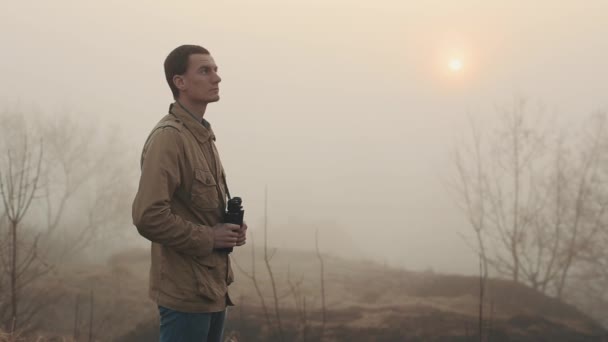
218 79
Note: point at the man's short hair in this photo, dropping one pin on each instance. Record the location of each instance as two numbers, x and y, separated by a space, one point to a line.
176 63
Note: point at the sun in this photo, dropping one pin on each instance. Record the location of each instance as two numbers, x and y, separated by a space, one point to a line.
455 64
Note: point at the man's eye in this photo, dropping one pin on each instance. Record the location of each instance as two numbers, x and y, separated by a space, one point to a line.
204 70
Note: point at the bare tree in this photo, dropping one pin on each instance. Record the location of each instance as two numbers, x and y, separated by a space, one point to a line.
78 173
472 188
294 289
4 239
322 271
254 279
533 196
482 286
76 332
18 185
267 258
590 204
91 311
54 203
300 304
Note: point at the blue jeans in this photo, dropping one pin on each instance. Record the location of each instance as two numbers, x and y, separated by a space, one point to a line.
178 326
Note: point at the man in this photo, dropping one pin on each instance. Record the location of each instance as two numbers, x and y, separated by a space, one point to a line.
180 205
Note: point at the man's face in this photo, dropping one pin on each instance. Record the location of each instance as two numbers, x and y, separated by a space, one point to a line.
200 83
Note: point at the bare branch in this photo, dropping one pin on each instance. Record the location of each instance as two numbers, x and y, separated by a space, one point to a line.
322 270
269 268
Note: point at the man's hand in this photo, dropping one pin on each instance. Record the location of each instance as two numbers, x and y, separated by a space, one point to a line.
242 235
225 235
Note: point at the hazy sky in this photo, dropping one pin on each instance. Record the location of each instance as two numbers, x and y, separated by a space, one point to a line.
345 109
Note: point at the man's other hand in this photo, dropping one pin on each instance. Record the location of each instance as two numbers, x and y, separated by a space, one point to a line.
242 235
225 235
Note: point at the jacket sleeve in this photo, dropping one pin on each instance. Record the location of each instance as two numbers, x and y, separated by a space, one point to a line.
161 172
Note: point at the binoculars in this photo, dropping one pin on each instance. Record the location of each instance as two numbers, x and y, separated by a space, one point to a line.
234 214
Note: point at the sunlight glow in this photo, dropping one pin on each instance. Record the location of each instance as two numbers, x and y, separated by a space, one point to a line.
455 65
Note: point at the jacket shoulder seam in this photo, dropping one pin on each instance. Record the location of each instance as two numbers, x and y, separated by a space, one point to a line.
161 126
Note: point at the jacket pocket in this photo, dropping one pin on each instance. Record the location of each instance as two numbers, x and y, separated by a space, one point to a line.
208 277
204 190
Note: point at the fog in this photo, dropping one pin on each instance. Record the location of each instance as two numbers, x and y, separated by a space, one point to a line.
345 110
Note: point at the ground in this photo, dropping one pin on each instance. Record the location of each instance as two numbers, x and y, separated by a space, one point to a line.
365 301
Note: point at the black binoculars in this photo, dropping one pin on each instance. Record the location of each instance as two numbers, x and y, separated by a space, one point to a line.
234 215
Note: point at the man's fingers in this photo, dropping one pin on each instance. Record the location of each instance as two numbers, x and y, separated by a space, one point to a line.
232 227
231 243
228 235
228 242
232 234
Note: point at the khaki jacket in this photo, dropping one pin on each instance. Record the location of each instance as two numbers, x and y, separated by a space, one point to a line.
181 196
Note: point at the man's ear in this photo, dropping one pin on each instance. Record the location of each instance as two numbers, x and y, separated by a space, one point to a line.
178 80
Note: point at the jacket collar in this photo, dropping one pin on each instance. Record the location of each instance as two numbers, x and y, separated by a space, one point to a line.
201 130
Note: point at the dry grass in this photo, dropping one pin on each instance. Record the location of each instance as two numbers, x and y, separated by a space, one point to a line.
364 299
6 337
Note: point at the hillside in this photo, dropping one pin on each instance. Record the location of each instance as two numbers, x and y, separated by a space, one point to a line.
365 302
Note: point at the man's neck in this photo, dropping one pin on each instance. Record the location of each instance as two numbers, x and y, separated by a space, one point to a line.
196 109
